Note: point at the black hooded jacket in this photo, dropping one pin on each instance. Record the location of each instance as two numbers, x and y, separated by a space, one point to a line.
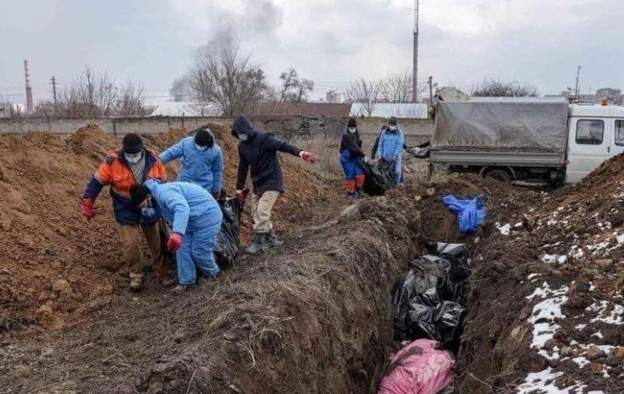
352 143
259 152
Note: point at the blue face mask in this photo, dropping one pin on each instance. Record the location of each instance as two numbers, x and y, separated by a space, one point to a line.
149 213
201 147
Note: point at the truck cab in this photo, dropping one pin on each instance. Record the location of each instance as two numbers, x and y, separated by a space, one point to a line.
596 133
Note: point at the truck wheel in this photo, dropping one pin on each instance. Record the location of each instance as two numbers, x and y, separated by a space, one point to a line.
498 174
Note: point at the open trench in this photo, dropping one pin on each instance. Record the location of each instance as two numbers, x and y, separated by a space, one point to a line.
315 315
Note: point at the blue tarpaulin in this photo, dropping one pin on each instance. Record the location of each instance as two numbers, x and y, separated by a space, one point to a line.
470 212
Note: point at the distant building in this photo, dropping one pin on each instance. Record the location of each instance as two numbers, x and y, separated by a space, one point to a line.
399 110
9 110
614 96
307 110
180 108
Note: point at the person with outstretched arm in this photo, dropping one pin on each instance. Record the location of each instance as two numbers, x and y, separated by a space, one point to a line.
201 159
257 153
195 219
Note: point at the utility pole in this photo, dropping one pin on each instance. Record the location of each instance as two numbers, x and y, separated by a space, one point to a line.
53 82
415 65
430 90
29 98
576 89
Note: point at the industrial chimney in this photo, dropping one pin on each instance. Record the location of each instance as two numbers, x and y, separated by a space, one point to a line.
29 98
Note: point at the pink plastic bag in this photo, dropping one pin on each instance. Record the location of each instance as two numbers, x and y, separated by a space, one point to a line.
418 368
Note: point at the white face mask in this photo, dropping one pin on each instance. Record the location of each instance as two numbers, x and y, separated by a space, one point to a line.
352 129
201 147
133 157
243 137
392 128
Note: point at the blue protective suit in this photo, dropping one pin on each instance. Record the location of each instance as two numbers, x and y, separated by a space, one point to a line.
192 212
204 168
390 149
470 212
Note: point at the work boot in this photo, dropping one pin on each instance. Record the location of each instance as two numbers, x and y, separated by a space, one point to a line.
272 240
181 288
136 282
360 193
167 282
258 243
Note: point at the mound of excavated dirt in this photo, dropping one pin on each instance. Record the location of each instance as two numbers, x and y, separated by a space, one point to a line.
54 265
546 303
314 316
440 224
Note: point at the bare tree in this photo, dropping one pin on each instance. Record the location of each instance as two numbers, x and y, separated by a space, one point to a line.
290 81
397 88
95 94
130 101
293 89
497 88
305 86
227 80
366 93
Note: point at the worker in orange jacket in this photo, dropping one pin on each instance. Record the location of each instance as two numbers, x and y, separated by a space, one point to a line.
132 164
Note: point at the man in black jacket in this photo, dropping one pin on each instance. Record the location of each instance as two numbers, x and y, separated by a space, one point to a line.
258 151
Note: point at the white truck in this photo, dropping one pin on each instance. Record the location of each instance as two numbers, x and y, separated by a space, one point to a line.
525 140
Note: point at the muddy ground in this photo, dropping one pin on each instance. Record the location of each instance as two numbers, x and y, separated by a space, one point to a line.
314 315
545 308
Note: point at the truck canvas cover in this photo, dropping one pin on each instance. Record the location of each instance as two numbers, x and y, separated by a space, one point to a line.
507 124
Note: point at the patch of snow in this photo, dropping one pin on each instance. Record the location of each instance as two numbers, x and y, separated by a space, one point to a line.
576 252
615 316
597 335
518 225
598 247
505 230
580 327
581 361
544 315
553 258
544 382
533 276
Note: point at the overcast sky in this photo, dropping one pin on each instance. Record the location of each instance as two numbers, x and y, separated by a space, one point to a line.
329 41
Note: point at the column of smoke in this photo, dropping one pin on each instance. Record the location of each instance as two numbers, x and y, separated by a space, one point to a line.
257 20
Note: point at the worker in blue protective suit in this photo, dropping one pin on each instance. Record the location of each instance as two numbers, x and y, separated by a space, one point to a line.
391 141
201 159
195 219
350 156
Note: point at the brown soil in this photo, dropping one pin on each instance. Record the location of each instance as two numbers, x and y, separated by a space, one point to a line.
496 354
54 264
314 315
